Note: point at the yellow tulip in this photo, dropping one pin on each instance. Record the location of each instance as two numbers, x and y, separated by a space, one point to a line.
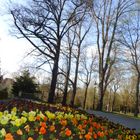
13 117
9 116
18 122
32 113
24 113
31 118
1 114
4 120
3 132
50 115
41 115
23 120
14 109
6 112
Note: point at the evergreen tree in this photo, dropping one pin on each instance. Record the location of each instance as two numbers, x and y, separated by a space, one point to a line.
24 84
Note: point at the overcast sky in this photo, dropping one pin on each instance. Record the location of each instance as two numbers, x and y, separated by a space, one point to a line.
12 50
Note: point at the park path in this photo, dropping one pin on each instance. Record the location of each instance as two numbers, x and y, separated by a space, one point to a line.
131 123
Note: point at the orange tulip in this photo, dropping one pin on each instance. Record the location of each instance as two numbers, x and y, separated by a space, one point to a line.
43 124
80 127
52 128
74 121
42 130
80 136
38 118
106 132
63 122
36 129
27 128
9 136
98 126
100 134
45 118
95 124
119 137
90 120
102 128
88 136
84 125
85 122
30 138
111 131
68 132
19 132
90 129
95 136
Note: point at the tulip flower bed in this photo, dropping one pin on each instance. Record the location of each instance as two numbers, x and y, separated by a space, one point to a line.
28 120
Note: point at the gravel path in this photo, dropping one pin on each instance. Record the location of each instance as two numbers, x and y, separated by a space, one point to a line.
116 118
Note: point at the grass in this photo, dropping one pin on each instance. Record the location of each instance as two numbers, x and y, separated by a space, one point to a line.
129 115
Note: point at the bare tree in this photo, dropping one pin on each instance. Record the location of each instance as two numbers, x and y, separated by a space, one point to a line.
130 38
68 54
88 66
74 43
107 15
117 76
44 23
81 32
127 95
94 93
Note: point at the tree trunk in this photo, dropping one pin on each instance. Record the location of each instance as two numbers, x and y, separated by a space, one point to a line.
109 103
67 80
100 104
75 80
101 96
65 94
113 103
65 91
73 95
85 99
94 98
54 79
137 97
